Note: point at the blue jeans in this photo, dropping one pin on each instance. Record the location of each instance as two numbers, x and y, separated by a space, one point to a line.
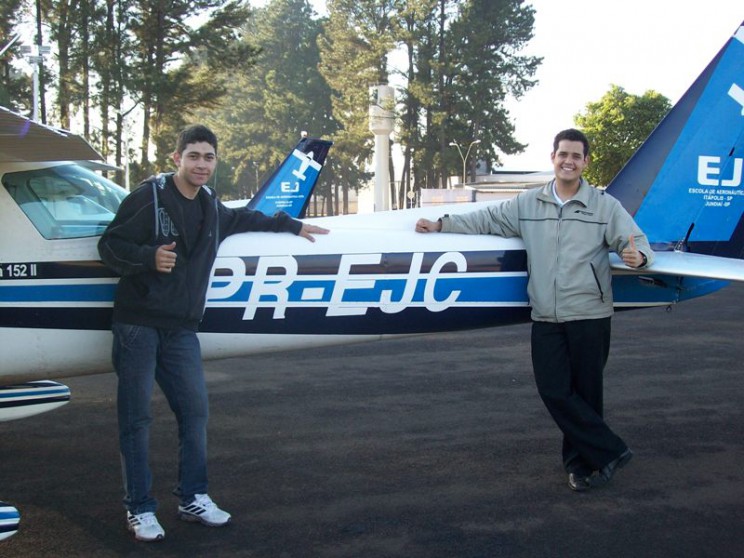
172 357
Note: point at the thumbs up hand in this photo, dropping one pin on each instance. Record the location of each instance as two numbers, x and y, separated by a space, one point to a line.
165 257
632 257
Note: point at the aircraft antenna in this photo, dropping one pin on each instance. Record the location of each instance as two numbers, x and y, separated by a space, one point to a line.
682 245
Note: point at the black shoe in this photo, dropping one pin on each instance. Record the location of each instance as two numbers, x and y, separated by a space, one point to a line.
606 473
578 483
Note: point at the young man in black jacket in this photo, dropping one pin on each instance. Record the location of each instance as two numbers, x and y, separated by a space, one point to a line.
163 242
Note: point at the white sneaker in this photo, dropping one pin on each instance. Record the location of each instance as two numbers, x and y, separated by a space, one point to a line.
203 510
145 527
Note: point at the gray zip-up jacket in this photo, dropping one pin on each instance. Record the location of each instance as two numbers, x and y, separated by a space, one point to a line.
567 247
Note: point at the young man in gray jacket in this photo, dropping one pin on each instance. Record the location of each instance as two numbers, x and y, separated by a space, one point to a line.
568 228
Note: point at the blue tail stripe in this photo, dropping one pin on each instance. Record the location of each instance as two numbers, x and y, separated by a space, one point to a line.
290 186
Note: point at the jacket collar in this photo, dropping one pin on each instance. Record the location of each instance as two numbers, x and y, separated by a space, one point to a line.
168 192
583 196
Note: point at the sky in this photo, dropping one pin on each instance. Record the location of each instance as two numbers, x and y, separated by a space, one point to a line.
589 45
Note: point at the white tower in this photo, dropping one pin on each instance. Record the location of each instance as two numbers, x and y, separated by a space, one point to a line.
381 122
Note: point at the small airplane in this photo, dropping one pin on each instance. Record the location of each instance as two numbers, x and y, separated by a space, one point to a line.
372 277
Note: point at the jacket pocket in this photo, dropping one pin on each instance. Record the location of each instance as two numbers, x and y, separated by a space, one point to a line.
600 265
126 333
598 282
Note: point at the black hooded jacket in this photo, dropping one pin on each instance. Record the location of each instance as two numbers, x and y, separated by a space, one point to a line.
151 216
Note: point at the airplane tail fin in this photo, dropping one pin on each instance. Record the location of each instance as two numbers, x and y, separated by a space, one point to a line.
290 186
684 185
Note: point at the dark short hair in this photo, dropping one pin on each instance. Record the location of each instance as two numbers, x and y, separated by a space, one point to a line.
194 134
571 135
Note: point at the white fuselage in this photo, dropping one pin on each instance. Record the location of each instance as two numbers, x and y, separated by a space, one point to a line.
372 276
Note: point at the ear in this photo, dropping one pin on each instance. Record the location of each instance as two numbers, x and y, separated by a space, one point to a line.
176 158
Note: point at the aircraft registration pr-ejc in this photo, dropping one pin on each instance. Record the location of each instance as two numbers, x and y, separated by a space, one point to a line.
371 277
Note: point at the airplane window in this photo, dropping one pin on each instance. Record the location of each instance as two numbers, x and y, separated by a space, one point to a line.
65 201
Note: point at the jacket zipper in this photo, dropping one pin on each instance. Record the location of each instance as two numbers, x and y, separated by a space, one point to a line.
596 280
557 261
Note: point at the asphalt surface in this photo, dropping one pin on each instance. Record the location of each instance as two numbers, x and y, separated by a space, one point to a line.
421 447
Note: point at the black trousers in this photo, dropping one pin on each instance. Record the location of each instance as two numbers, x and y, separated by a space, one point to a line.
568 360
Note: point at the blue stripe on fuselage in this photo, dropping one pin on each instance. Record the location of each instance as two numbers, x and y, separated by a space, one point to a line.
401 294
479 289
57 293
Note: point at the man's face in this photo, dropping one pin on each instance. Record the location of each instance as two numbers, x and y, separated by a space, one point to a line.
196 164
569 160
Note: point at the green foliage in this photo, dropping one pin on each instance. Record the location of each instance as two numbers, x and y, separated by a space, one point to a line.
485 70
177 65
616 126
463 64
259 78
267 106
354 49
149 61
15 90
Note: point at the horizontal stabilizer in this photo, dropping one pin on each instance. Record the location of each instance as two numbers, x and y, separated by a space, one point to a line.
686 264
9 520
25 400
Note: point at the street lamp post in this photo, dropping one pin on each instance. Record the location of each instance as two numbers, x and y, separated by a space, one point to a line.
465 158
36 61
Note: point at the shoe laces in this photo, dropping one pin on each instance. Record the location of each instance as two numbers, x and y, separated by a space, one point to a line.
144 519
204 501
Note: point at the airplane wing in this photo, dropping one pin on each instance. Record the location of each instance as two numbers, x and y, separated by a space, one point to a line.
686 264
24 140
